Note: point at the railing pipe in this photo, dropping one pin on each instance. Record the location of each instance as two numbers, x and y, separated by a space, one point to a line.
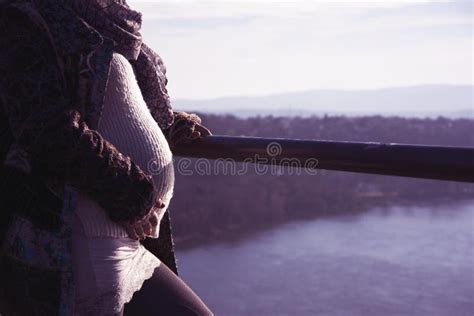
418 161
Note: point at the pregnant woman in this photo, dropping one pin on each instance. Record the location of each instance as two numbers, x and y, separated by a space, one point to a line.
89 121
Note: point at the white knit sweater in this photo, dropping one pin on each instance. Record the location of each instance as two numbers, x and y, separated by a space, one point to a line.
127 123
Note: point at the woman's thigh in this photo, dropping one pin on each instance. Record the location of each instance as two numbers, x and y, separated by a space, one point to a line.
166 294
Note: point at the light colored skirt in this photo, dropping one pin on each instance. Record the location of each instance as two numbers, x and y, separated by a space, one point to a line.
107 271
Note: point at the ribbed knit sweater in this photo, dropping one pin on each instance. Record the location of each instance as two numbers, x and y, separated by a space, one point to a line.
128 124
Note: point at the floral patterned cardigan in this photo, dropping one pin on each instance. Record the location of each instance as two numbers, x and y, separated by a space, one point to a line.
51 92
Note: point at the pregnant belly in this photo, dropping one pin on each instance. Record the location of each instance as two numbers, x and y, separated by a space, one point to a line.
127 122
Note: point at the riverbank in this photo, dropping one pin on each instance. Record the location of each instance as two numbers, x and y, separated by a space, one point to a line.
237 234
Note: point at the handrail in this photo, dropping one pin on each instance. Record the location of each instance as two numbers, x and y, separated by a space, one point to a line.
418 161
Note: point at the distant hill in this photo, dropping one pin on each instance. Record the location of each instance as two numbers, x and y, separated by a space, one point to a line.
453 101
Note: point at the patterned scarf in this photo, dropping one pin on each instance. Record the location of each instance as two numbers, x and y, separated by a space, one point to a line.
115 20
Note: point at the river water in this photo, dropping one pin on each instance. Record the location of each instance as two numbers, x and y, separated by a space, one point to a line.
390 261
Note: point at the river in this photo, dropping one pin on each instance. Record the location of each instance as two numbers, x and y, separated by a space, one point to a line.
389 261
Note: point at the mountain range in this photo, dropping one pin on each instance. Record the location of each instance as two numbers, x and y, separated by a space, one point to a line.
452 101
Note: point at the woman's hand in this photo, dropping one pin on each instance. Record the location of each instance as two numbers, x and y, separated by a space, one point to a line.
186 128
135 230
147 227
154 221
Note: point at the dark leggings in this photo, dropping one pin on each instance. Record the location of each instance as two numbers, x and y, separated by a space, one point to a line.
166 294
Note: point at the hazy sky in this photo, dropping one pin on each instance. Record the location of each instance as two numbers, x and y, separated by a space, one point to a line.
216 48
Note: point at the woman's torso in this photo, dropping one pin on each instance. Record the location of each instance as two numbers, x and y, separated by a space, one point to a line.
127 123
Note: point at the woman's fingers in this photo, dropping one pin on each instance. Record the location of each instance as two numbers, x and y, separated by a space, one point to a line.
139 230
154 222
195 135
204 131
186 128
186 134
131 232
181 133
147 227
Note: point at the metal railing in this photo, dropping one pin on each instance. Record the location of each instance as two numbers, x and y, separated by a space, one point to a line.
418 161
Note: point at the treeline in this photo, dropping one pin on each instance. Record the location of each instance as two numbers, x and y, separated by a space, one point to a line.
210 204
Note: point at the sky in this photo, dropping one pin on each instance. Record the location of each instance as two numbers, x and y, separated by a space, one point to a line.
216 48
